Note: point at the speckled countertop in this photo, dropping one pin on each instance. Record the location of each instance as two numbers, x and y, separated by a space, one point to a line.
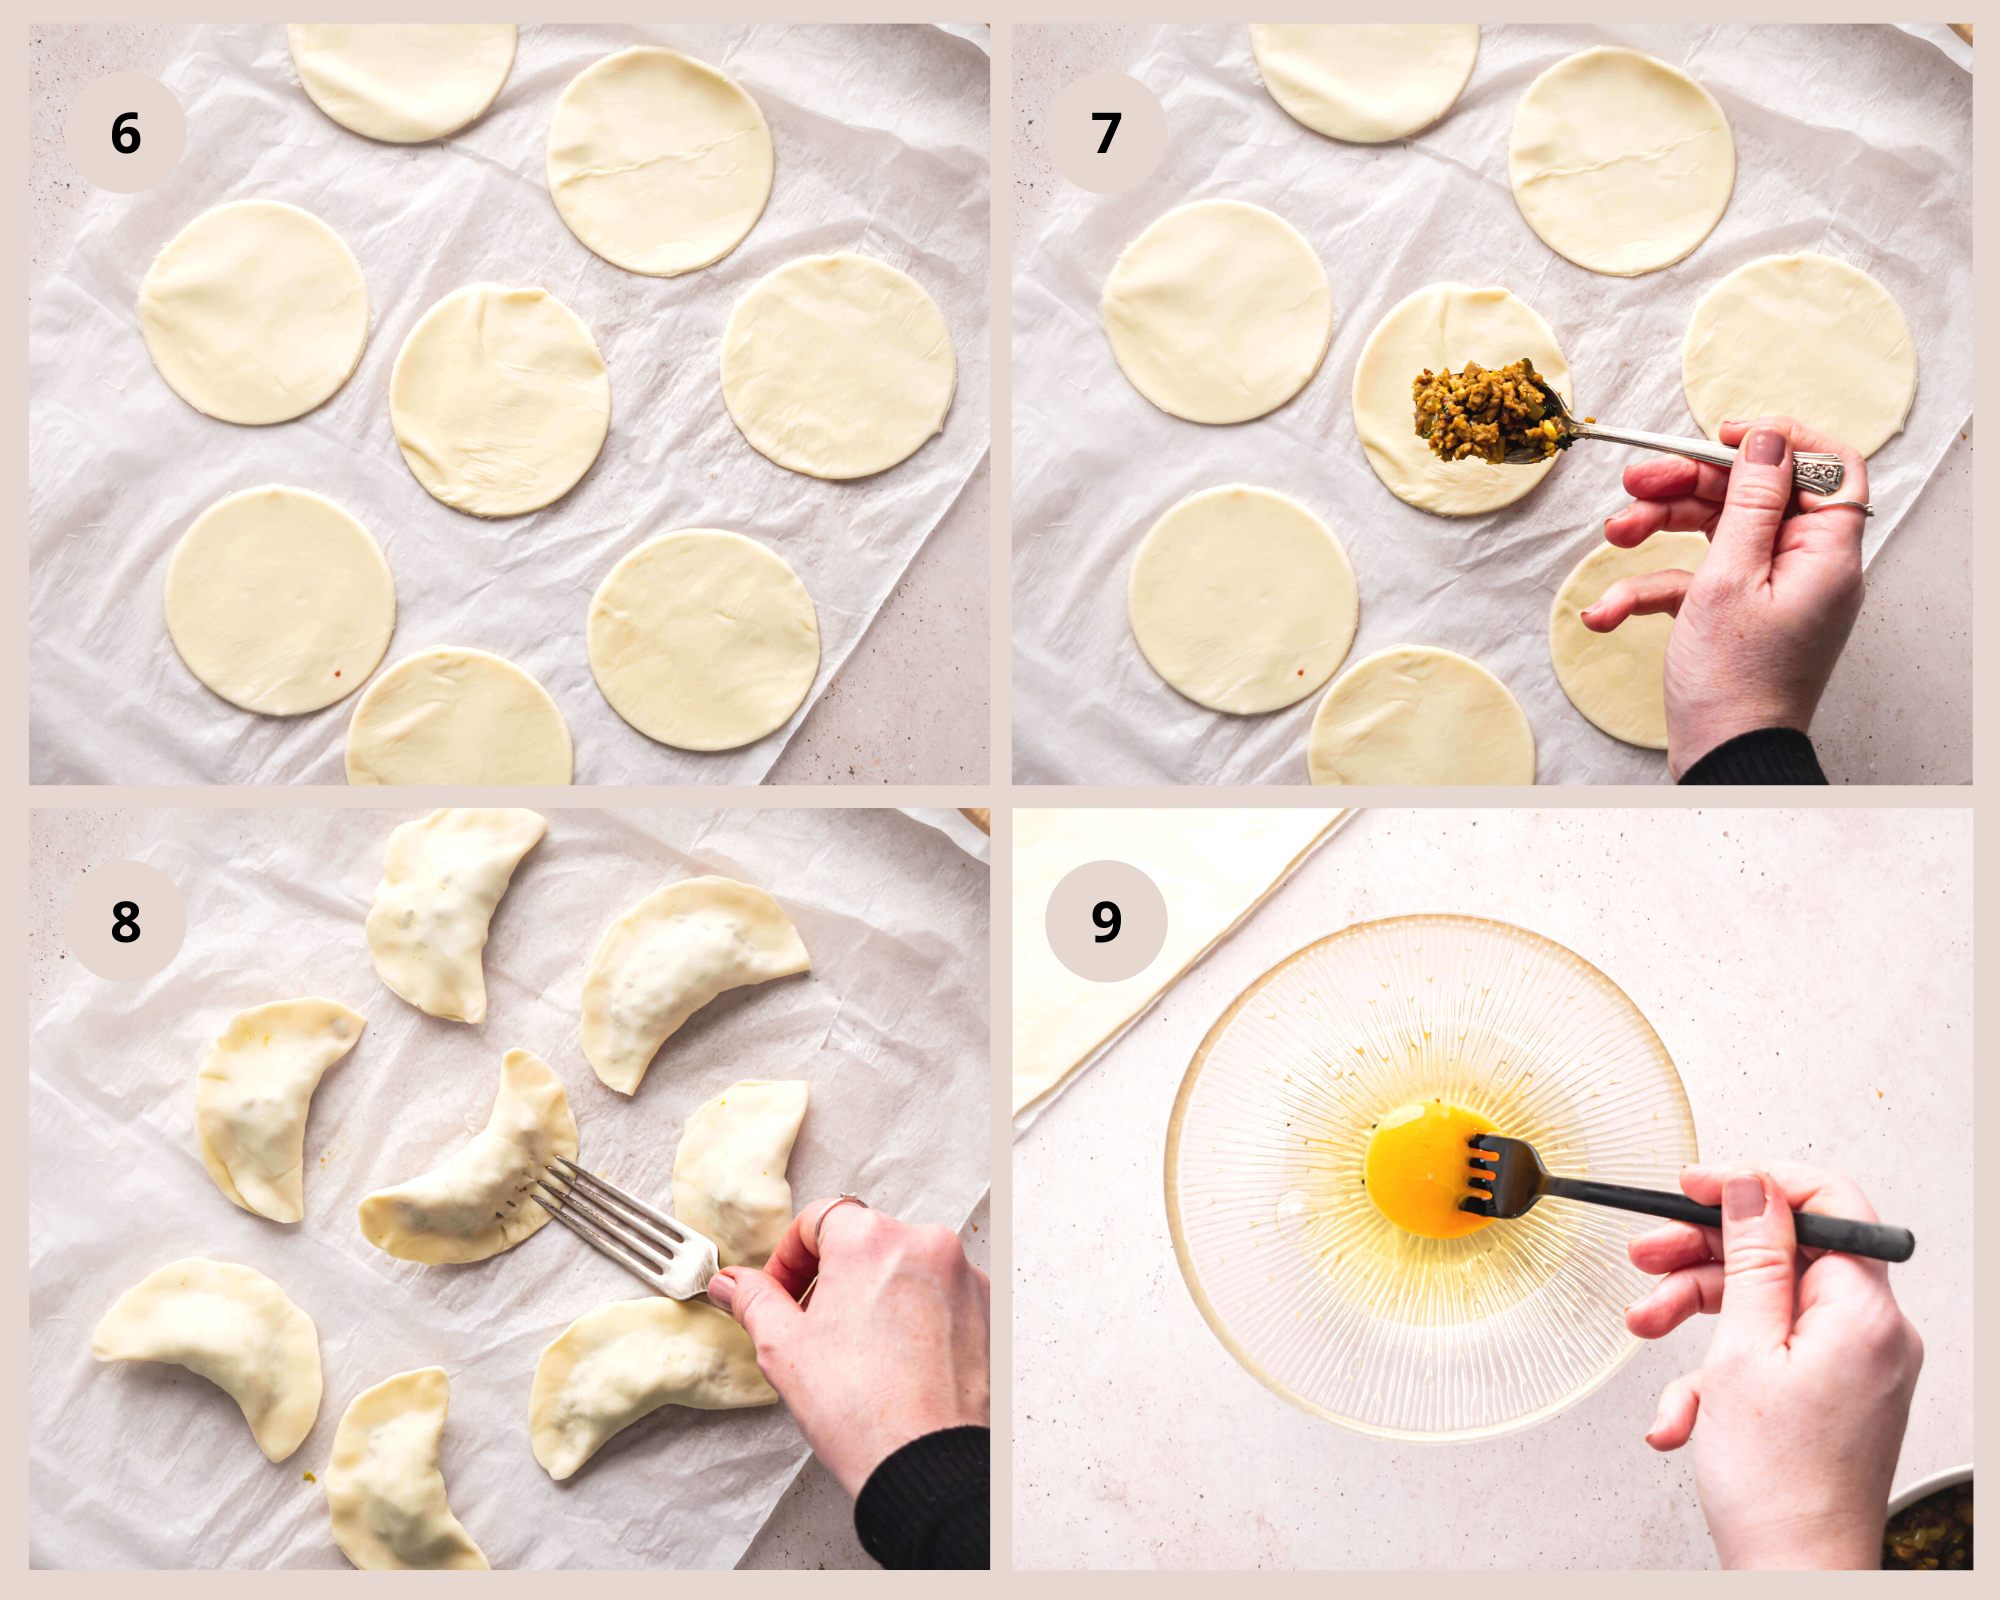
1810 972
1899 708
813 1525
911 703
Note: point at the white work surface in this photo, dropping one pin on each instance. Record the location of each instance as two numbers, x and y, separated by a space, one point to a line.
908 704
1899 708
1811 974
811 1526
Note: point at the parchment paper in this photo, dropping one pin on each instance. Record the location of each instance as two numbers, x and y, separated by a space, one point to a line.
147 1465
881 145
1854 142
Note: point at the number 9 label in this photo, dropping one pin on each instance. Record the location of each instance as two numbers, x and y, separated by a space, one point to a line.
1106 921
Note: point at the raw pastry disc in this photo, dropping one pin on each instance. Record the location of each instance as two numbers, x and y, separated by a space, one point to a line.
1443 326
1416 714
1802 336
838 366
703 639
500 400
1620 162
658 162
279 601
255 312
402 82
1365 82
1242 599
1219 312
451 715
1617 679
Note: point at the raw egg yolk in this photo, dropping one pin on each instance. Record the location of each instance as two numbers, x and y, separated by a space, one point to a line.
1418 1168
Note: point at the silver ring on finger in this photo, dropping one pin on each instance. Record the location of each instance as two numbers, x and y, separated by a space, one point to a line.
1861 506
829 1211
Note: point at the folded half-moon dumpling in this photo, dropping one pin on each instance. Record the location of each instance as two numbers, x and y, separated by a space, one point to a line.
478 1203
384 1488
668 957
624 1361
253 1091
729 1173
441 878
232 1326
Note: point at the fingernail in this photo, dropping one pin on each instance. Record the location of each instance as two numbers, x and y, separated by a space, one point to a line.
1764 448
722 1291
1743 1198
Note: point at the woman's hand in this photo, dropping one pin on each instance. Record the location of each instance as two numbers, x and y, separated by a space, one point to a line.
893 1345
1765 618
1797 1412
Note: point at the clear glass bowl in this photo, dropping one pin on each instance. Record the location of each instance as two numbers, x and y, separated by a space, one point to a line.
1317 1294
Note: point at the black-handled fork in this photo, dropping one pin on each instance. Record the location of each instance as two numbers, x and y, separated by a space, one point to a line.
1513 1178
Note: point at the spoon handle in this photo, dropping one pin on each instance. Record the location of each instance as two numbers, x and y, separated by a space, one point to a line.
1876 1240
1811 470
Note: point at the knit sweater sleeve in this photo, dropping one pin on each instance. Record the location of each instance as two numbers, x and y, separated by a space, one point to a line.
929 1504
1767 755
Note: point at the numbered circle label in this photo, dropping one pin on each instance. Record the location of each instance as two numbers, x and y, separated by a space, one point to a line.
1105 132
1106 921
126 132
125 921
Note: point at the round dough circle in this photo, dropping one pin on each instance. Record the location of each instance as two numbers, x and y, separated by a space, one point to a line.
255 312
1620 162
402 82
658 162
279 601
1802 336
1443 326
1417 714
703 639
451 715
1242 599
500 400
1618 679
1365 82
1219 312
838 366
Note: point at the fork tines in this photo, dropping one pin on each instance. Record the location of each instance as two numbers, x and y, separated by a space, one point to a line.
1485 1167
625 1228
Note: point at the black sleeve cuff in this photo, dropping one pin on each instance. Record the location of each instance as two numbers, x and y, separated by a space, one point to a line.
1769 755
930 1504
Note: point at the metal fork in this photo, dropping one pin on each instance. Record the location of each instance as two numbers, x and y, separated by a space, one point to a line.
671 1257
1819 472
1512 1178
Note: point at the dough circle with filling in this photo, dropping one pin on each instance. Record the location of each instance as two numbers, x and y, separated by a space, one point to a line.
1218 312
255 312
1801 336
1365 82
838 366
1446 325
451 715
279 601
1242 599
1617 679
703 639
659 163
500 400
1620 162
402 82
1417 714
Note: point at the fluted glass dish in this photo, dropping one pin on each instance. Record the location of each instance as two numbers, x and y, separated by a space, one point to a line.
1313 1290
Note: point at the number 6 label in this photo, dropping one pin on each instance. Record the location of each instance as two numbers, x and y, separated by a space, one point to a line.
1106 921
1105 132
125 132
125 921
